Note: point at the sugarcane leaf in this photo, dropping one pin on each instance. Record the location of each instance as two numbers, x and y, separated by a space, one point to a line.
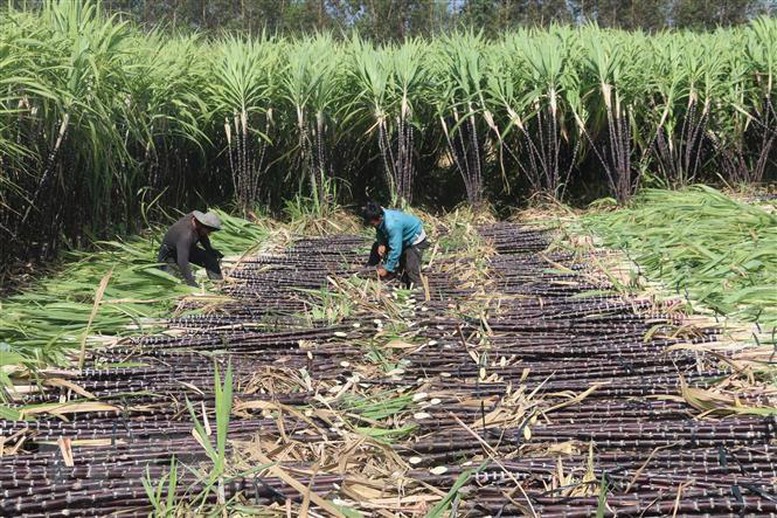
200 434
10 414
442 506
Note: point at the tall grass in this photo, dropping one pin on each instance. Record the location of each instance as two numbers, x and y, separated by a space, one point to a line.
95 110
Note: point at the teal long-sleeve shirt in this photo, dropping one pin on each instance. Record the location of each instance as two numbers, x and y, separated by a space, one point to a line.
397 231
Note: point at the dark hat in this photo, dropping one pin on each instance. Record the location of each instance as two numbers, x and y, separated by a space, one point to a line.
209 219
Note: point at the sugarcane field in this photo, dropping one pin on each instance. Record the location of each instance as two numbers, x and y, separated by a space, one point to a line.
428 258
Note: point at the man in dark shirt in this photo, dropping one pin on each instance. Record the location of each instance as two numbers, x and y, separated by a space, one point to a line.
179 246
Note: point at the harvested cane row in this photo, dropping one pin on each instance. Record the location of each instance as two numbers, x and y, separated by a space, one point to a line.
528 384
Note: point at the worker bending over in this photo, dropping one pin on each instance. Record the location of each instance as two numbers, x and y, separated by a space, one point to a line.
179 246
399 245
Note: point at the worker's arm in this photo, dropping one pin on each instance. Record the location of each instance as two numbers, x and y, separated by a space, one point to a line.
380 237
380 241
205 240
182 254
395 250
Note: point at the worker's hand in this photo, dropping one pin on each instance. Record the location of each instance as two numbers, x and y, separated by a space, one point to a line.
381 250
382 272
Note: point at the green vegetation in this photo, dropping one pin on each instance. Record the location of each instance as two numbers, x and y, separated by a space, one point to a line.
218 453
721 252
439 510
98 110
162 492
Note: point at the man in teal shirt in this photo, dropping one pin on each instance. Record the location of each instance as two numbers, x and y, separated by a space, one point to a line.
399 245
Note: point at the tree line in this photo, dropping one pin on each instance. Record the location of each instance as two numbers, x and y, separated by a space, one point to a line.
396 20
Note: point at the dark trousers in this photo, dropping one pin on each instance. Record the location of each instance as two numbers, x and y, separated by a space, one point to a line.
409 262
205 258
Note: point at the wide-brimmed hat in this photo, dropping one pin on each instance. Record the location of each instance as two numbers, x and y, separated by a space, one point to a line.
209 219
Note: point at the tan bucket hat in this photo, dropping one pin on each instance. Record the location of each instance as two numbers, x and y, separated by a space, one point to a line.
209 219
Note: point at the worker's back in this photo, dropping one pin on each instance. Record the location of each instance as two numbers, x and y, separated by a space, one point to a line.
181 232
409 226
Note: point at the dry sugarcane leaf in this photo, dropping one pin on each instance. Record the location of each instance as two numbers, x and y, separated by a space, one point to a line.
95 443
66 450
577 399
644 465
324 415
562 480
495 416
303 511
58 373
399 503
563 448
202 441
242 406
493 378
706 400
590 474
17 392
399 344
469 402
364 494
501 416
69 385
345 455
63 409
150 408
98 296
206 420
279 472
737 366
19 437
701 399
191 387
281 427
710 401
762 354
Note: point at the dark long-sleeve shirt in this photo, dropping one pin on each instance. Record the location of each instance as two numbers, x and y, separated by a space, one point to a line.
182 237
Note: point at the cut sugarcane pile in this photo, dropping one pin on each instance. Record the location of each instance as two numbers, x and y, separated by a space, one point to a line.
502 391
